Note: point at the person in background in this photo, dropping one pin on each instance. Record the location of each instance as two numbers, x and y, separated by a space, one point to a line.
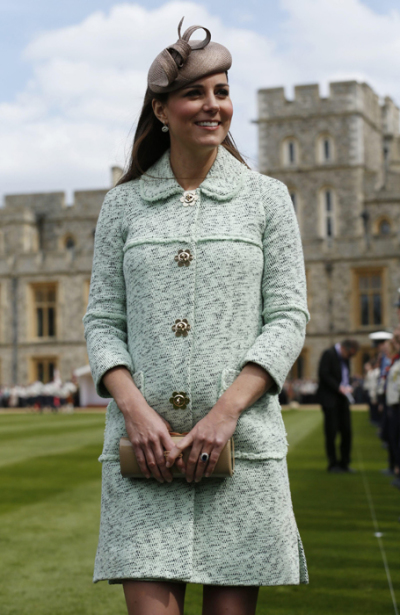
335 396
370 387
358 393
397 305
385 356
379 340
392 398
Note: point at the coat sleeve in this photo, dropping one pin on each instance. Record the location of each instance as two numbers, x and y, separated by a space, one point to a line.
285 312
105 319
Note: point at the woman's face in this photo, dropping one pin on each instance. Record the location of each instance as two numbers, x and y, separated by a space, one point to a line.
198 115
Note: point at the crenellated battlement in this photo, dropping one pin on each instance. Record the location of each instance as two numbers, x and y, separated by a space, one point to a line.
390 117
42 201
43 222
344 97
88 201
53 204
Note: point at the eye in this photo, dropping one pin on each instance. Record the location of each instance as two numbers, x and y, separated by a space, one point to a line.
193 93
223 92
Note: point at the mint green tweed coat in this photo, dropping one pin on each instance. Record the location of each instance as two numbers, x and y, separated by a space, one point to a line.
185 290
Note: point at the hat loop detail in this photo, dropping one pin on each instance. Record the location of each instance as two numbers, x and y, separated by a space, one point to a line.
180 52
176 65
175 56
188 33
167 69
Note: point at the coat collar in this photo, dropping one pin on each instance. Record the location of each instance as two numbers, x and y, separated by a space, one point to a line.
223 181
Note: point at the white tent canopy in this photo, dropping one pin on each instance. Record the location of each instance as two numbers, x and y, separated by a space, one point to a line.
87 391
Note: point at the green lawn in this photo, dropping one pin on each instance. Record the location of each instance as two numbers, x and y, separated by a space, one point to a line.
49 517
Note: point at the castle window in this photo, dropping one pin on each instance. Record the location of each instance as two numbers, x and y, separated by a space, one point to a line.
325 149
43 368
44 310
69 242
327 213
384 227
40 224
369 297
290 152
66 242
299 369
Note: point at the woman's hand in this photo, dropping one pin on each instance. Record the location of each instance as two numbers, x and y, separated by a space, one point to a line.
208 436
149 435
146 429
213 431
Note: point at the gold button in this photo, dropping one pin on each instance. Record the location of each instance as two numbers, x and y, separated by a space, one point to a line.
179 400
181 327
183 258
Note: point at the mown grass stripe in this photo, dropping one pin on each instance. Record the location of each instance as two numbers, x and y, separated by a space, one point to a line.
47 556
45 477
378 534
26 417
52 424
51 431
346 571
300 426
26 449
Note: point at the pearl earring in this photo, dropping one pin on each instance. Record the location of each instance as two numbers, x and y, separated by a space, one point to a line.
165 128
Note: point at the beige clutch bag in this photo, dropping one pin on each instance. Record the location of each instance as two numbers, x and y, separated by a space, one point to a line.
130 467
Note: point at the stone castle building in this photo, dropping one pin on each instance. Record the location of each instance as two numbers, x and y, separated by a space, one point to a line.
340 158
46 251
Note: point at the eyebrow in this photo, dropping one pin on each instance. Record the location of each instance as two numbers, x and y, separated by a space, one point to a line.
199 85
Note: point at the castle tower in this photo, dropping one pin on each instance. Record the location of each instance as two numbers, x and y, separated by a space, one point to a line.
340 158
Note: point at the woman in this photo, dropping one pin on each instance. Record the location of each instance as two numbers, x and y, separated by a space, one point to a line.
197 311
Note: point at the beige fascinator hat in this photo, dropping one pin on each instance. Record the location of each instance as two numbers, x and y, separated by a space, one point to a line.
185 61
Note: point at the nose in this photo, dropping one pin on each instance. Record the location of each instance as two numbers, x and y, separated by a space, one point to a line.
211 103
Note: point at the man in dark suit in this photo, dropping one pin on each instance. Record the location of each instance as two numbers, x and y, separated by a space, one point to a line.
334 394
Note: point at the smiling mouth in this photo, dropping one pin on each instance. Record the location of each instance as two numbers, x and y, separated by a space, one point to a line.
209 124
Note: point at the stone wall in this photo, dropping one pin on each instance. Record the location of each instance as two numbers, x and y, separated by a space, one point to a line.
363 179
44 241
